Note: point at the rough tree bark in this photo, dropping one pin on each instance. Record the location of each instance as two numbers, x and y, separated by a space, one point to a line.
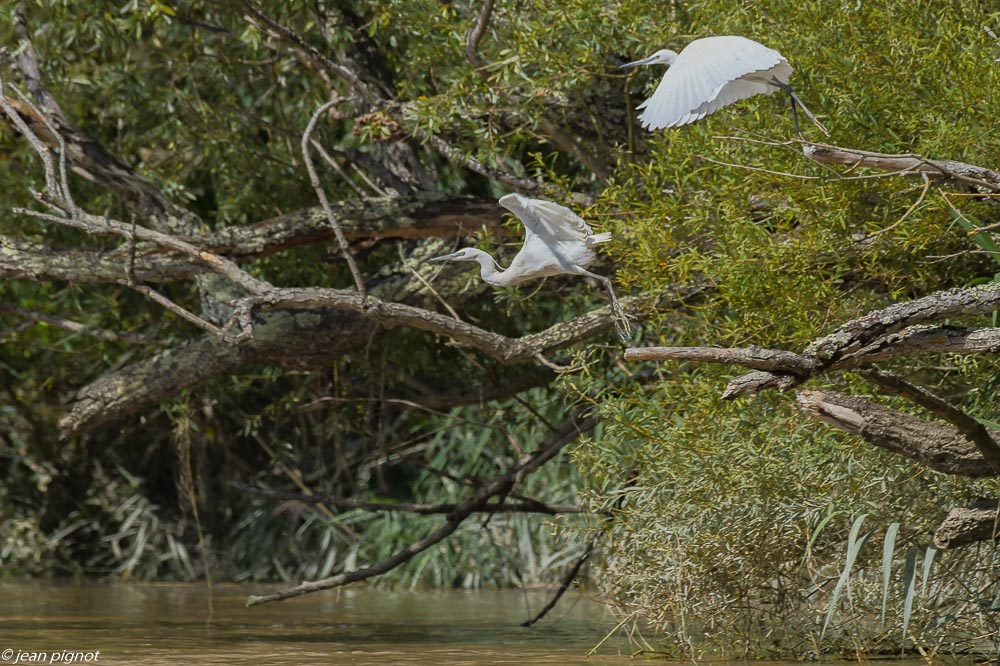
964 446
937 446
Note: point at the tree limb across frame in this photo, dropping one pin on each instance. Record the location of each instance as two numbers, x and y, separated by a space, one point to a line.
89 411
880 335
125 392
331 322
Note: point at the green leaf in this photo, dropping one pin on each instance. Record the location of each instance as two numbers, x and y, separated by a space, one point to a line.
854 546
888 547
909 585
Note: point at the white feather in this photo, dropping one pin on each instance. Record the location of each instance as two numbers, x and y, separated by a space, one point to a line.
711 73
556 242
547 219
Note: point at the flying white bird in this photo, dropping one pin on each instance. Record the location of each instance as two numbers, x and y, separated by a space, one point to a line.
711 73
556 242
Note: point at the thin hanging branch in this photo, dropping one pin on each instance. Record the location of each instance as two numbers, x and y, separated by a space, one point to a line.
499 487
476 34
345 247
564 585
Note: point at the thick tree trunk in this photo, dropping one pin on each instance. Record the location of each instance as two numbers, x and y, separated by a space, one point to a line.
302 339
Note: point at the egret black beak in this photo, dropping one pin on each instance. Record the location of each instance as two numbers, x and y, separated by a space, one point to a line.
446 257
636 63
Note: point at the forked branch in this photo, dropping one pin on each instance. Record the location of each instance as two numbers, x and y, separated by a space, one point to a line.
937 446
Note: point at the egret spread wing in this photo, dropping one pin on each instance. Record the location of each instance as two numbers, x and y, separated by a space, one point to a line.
732 92
547 220
707 75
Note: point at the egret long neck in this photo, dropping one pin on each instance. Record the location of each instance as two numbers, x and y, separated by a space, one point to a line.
489 270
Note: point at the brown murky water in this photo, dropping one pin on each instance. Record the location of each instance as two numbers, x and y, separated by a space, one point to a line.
155 624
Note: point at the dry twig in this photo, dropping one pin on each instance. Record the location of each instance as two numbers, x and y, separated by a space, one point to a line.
345 247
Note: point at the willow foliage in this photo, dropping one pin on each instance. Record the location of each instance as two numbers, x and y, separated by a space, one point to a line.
728 520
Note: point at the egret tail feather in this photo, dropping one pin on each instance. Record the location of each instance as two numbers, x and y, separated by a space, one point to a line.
602 237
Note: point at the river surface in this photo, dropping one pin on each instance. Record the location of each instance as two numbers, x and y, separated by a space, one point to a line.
154 624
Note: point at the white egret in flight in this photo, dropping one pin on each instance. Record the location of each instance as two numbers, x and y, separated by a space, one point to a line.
556 242
711 73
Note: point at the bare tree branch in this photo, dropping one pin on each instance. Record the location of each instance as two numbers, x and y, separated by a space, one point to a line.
327 323
89 158
58 198
494 345
759 380
879 335
309 55
181 312
296 340
749 357
453 154
325 203
98 225
30 260
782 370
499 486
904 164
853 335
975 431
937 446
421 215
476 34
564 585
891 332
348 503
923 339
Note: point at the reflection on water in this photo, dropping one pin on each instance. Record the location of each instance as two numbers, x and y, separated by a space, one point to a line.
170 624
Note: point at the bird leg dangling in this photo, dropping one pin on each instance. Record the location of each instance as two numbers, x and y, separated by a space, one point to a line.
622 325
621 319
795 117
798 102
